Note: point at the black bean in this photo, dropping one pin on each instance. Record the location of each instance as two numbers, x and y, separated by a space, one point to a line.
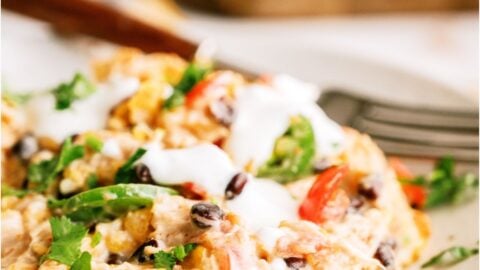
139 254
92 228
223 111
206 215
236 185
295 262
115 258
385 255
26 147
143 174
370 187
356 202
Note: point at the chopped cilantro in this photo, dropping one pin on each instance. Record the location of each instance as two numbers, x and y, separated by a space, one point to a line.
42 174
192 75
181 252
451 256
443 186
92 181
10 191
66 93
67 239
126 173
164 260
83 262
94 143
96 238
169 259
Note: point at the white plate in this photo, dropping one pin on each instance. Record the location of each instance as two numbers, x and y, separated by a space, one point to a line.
33 60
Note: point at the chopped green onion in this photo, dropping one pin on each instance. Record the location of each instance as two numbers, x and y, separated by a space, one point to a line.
66 93
451 256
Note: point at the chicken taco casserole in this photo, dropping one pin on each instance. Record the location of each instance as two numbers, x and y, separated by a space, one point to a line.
156 163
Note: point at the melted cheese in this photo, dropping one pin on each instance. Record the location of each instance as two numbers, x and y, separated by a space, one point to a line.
263 115
90 113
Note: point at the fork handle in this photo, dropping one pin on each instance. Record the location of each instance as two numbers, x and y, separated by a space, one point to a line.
103 21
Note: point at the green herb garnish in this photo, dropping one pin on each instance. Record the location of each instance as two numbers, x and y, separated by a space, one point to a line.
126 173
450 257
84 262
107 203
67 239
293 152
66 93
169 259
191 76
42 174
443 186
10 191
96 238
92 181
94 143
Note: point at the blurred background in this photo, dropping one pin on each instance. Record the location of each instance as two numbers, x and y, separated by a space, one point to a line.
345 43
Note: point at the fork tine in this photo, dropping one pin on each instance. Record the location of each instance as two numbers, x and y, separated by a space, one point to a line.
421 118
416 150
407 131
417 135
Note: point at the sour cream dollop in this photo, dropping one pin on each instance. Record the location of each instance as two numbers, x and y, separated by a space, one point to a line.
205 164
264 203
263 115
86 114
261 203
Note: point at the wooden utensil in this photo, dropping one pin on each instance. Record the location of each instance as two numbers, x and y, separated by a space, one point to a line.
104 21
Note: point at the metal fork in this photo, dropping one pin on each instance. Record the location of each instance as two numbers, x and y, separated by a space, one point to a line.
398 130
407 131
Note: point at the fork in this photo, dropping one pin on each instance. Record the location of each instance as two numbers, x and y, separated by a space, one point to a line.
407 131
398 130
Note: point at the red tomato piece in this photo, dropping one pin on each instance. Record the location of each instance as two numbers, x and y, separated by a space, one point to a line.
321 192
190 190
198 91
416 195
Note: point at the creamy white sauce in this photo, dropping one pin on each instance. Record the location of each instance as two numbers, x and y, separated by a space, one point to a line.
90 113
278 264
206 165
111 148
268 237
264 203
263 115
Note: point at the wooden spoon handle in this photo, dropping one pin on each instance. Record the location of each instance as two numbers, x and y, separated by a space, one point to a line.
103 21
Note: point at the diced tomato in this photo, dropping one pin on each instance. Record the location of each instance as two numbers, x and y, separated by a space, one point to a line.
193 191
416 195
321 192
402 171
198 91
